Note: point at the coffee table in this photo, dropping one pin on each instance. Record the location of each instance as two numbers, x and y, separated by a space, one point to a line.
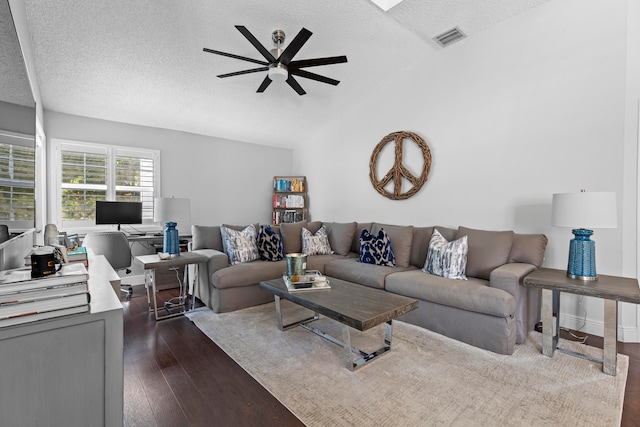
354 306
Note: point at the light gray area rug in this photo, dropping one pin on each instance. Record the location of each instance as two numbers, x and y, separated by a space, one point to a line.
425 380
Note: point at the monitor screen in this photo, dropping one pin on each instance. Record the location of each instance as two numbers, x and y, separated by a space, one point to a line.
118 212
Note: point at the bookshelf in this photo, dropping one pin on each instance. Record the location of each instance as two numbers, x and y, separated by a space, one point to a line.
289 199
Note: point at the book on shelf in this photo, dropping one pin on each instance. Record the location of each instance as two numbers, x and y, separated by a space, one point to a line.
11 321
293 184
19 279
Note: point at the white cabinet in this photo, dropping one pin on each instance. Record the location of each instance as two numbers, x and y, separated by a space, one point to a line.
66 371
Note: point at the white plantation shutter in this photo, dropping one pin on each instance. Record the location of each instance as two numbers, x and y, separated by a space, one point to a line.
17 179
90 172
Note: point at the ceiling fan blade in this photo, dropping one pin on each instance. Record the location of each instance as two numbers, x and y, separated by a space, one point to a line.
295 45
265 84
314 76
263 50
318 61
295 85
238 73
231 55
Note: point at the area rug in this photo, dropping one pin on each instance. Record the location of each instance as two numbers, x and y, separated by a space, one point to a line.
425 380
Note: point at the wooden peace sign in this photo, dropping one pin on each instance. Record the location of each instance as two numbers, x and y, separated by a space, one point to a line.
399 171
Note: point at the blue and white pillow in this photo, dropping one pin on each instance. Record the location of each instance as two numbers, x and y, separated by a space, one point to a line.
376 249
240 246
270 245
316 244
447 259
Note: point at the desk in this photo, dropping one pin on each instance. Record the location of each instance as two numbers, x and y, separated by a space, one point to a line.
610 288
153 240
153 262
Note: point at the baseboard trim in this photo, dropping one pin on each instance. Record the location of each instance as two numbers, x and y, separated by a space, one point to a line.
592 327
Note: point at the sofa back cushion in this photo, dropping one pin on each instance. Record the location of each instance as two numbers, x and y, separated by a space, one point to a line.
487 250
292 234
340 236
401 237
528 248
206 237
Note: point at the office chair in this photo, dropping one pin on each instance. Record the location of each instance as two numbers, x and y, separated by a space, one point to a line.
115 248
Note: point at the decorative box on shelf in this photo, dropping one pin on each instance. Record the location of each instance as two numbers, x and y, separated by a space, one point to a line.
311 281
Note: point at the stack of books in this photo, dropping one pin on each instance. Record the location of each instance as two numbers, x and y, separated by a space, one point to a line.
75 255
23 299
78 255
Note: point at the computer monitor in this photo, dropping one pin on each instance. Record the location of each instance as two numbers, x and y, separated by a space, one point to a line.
118 212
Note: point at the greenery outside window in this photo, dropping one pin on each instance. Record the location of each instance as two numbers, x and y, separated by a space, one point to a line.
17 180
88 172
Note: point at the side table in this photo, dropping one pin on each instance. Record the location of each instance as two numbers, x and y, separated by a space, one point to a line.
610 288
153 262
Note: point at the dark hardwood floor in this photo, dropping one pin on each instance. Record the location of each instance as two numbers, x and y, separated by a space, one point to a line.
175 376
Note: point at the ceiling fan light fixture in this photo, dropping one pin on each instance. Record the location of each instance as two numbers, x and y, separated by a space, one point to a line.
278 72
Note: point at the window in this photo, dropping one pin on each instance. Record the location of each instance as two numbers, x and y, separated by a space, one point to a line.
17 180
88 172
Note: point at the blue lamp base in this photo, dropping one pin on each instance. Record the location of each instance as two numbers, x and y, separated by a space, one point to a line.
171 242
582 256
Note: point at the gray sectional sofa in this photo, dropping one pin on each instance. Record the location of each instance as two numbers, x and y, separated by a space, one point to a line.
490 310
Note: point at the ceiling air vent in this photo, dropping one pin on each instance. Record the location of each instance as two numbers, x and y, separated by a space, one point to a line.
449 37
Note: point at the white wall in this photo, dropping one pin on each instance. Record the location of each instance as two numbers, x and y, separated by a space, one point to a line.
532 107
227 181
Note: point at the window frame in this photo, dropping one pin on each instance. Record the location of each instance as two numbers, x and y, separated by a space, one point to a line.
29 141
111 151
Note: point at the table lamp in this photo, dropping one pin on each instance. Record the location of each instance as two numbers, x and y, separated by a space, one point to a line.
587 210
170 210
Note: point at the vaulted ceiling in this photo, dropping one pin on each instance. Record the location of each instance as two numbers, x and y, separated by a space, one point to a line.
141 61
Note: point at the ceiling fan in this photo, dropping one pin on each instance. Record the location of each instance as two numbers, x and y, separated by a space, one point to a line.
279 64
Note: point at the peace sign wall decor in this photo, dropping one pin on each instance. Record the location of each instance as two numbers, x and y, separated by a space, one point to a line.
399 172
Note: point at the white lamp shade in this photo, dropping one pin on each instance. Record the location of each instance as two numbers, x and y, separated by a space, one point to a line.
584 210
172 209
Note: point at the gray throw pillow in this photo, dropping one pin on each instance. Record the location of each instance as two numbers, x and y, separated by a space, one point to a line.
528 248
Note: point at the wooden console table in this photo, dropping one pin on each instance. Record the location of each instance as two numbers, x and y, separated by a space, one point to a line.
610 288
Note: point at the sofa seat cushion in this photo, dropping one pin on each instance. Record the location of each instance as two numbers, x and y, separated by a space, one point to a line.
318 262
247 273
352 270
471 295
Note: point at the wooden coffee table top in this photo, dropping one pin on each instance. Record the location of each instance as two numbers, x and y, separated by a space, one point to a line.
358 306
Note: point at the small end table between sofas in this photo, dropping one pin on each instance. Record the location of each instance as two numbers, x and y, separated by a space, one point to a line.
153 262
610 288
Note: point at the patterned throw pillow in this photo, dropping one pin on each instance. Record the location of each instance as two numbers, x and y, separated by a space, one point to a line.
240 246
316 244
270 244
447 259
376 249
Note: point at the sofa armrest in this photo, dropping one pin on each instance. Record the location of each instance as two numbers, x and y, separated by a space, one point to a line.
201 273
509 277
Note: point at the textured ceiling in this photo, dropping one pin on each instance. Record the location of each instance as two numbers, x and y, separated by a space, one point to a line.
14 84
141 61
